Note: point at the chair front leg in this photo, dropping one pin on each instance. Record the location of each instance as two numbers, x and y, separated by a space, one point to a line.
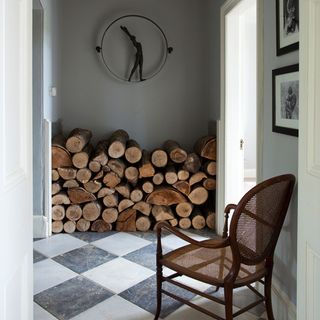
159 288
268 294
228 297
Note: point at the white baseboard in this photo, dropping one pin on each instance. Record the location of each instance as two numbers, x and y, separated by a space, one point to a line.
40 227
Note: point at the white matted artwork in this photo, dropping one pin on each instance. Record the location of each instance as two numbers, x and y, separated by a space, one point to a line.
286 100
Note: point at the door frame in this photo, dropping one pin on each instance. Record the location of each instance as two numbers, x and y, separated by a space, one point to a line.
225 9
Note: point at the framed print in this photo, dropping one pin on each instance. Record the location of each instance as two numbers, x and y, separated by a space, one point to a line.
287 26
285 96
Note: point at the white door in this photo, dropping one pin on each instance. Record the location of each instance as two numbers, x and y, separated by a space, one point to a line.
309 164
15 160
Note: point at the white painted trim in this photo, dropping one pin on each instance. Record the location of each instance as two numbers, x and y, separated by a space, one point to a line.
250 173
225 9
40 227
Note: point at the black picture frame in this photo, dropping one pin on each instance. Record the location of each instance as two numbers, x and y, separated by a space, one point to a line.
285 100
287 12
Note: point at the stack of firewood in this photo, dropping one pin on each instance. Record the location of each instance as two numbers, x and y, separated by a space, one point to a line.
117 185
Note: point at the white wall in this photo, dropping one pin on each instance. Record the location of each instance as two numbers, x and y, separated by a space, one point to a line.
175 104
280 155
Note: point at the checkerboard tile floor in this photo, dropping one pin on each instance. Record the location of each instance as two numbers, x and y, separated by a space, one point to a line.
111 276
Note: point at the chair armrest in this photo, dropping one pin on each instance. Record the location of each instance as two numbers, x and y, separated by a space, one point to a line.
221 243
227 210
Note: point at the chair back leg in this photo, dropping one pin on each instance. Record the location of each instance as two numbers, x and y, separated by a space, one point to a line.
228 296
159 288
267 294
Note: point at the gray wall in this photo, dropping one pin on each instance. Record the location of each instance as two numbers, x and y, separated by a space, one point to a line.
280 156
174 104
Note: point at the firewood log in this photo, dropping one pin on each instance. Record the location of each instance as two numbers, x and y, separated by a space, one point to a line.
133 152
67 173
185 223
198 195
127 220
111 200
171 176
158 178
80 195
59 154
93 186
71 184
55 175
193 163
209 184
94 166
159 158
60 198
143 223
81 159
197 177
84 175
198 221
143 207
184 209
111 180
57 226
183 187
83 225
175 152
174 222
74 212
100 154
146 168
99 175
136 195
165 196
55 188
162 213
91 211
206 147
124 189
69 227
105 169
77 139
132 175
125 204
117 146
117 166
101 226
210 167
183 175
104 192
210 217
110 215
58 212
147 187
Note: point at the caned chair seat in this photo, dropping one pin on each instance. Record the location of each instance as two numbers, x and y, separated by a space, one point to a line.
210 265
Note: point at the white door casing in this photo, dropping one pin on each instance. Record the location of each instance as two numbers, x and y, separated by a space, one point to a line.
15 160
308 296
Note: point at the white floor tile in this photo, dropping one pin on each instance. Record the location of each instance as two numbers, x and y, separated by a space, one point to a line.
48 273
174 242
115 308
57 245
41 314
118 274
121 243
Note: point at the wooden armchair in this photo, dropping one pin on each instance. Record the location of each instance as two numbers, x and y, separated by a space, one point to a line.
244 256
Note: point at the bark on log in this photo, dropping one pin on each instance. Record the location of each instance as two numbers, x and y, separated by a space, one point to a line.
60 156
210 167
80 195
143 207
162 213
125 204
101 153
111 180
84 175
165 196
206 147
133 152
175 152
184 209
58 212
93 186
132 175
197 177
67 173
117 146
171 175
69 227
83 225
185 223
183 175
193 163
136 195
146 168
159 158
60 198
101 226
110 215
57 226
91 211
143 223
183 187
55 175
158 178
124 189
117 166
198 221
199 195
127 220
74 212
111 201
55 188
71 184
99 175
77 139
148 187
209 184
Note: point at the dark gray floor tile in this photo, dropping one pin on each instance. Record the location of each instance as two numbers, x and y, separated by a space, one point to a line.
92 236
144 295
150 235
205 232
84 258
37 256
145 256
72 297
